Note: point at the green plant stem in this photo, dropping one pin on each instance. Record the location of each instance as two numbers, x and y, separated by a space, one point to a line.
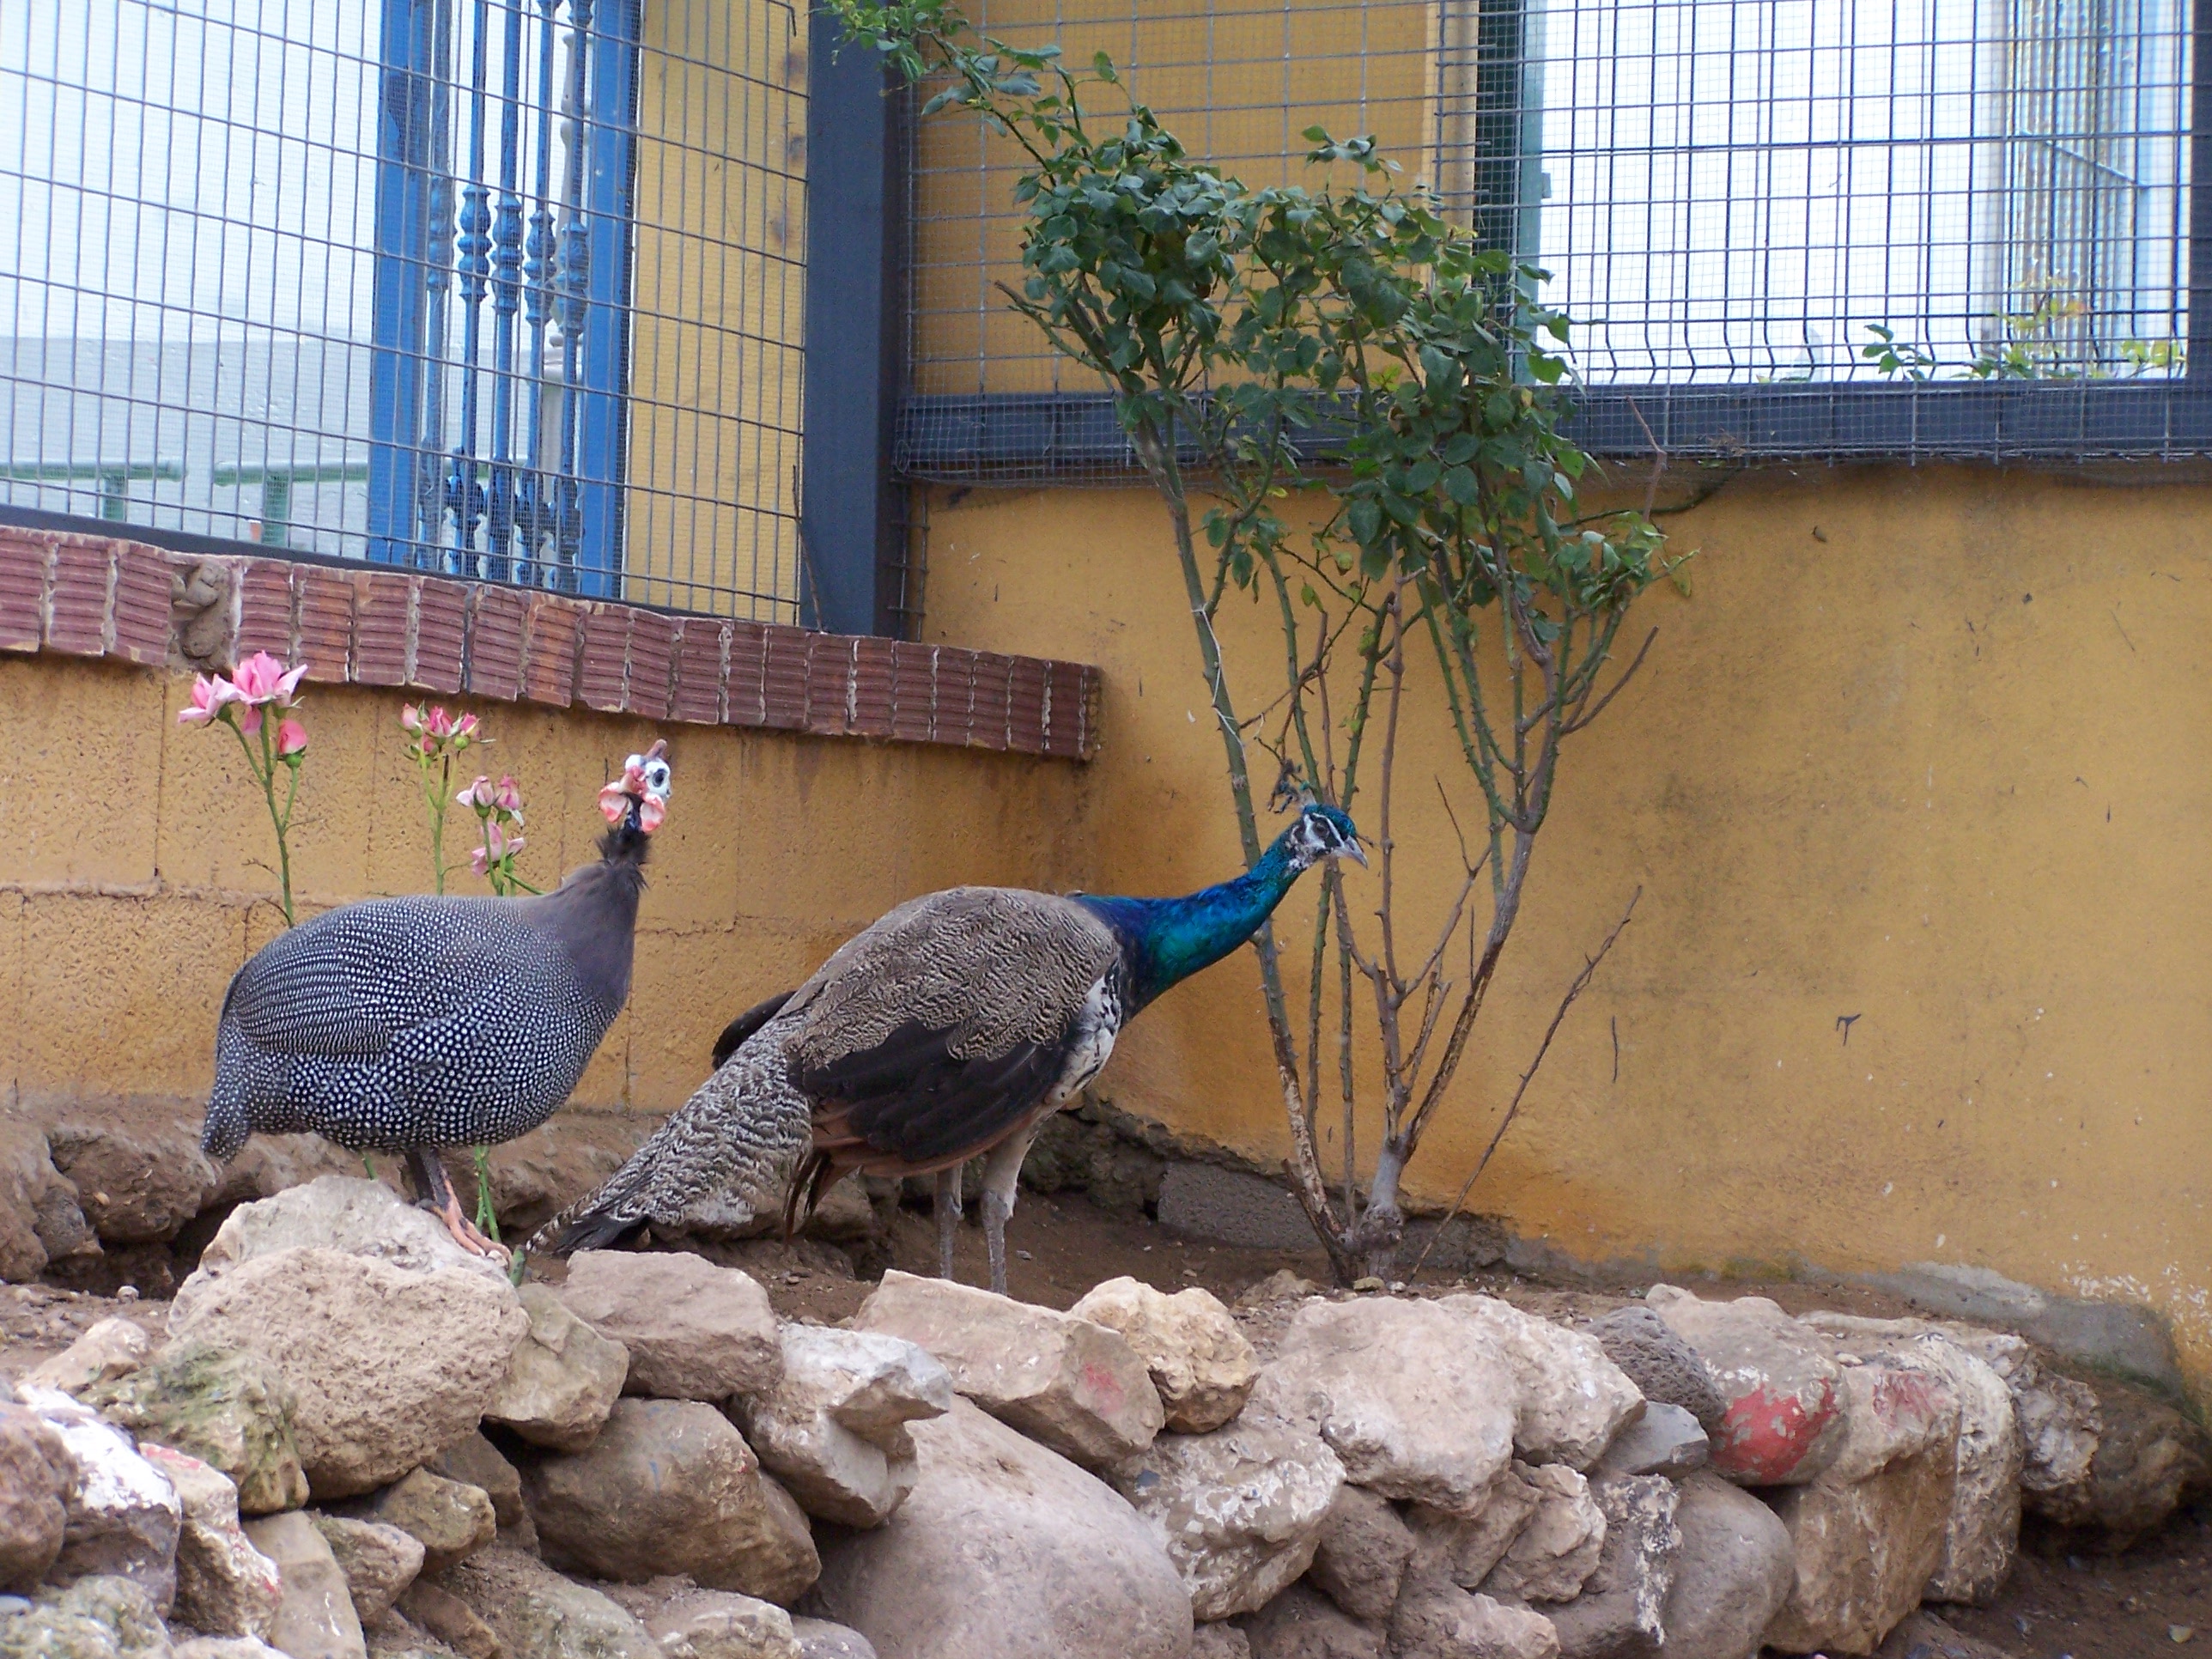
487 1217
264 766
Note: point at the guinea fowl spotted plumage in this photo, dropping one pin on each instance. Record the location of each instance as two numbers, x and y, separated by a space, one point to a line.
952 1027
407 1024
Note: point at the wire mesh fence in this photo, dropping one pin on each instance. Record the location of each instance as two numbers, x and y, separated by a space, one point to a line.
1811 226
503 288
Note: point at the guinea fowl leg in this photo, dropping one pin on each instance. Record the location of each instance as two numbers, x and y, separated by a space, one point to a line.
430 1183
1001 1173
948 1217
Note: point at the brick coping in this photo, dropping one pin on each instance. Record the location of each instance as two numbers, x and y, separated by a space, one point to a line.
96 596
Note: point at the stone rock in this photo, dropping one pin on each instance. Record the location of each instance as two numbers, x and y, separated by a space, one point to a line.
1006 1548
1238 1510
315 1617
1868 1530
1071 1385
447 1619
833 1427
1667 1370
538 1614
1622 1610
96 1618
1732 1574
818 1638
224 1406
450 1519
670 1486
1464 1551
1199 1361
1435 1619
347 1214
1665 1440
1300 1625
1360 1559
1984 1534
138 1181
722 1625
222 1647
1923 1636
385 1366
1219 1642
1556 1547
29 1186
563 1379
35 1473
474 1461
225 1587
694 1330
1411 1407
378 1562
1785 1422
1574 1400
2148 1455
124 1515
112 1348
2058 1420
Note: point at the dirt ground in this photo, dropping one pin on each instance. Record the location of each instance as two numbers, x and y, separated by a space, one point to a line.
2064 1600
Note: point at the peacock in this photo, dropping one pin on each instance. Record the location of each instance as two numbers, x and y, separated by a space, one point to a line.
408 1025
952 1027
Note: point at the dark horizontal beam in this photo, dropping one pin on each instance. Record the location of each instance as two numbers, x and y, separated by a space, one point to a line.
1016 437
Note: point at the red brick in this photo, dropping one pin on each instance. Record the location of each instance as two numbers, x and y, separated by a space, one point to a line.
602 665
830 685
1067 712
652 663
77 608
1026 692
873 698
23 563
265 609
744 699
783 677
913 691
549 663
497 617
987 702
326 630
701 645
955 716
383 603
442 627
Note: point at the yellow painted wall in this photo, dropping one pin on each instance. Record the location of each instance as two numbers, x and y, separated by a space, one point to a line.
1932 748
135 877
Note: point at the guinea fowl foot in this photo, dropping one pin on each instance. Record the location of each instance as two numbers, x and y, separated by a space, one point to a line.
465 1231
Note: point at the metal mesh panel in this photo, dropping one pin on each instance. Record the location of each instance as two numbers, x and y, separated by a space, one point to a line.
1739 203
510 290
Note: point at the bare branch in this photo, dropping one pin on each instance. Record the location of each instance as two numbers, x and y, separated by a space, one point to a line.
1580 983
1627 674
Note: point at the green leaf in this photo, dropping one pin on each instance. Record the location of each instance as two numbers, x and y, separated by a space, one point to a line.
1366 518
1102 66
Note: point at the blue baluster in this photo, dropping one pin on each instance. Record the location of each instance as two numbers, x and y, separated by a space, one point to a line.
572 284
398 325
429 514
464 497
506 301
535 509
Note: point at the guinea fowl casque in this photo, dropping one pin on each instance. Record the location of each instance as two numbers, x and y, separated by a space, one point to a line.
408 1025
952 1027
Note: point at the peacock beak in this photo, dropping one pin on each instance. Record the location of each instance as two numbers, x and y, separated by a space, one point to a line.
1353 851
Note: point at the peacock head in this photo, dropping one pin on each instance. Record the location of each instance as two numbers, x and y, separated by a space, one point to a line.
639 796
1323 832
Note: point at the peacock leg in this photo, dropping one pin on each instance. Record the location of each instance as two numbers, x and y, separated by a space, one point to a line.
1001 1173
431 1186
948 1218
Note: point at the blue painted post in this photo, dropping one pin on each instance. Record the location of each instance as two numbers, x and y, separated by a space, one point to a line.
611 193
852 506
397 333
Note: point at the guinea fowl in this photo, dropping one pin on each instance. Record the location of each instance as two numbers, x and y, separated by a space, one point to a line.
952 1027
408 1025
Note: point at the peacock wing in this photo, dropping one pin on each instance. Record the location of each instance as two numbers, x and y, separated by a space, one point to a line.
350 981
933 1033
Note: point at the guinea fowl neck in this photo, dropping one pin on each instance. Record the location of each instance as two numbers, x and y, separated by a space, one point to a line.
593 914
1166 940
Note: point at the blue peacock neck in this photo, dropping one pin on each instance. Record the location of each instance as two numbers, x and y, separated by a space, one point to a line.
1166 940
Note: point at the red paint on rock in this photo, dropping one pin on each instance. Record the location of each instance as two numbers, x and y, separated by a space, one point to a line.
1767 1434
1103 1387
